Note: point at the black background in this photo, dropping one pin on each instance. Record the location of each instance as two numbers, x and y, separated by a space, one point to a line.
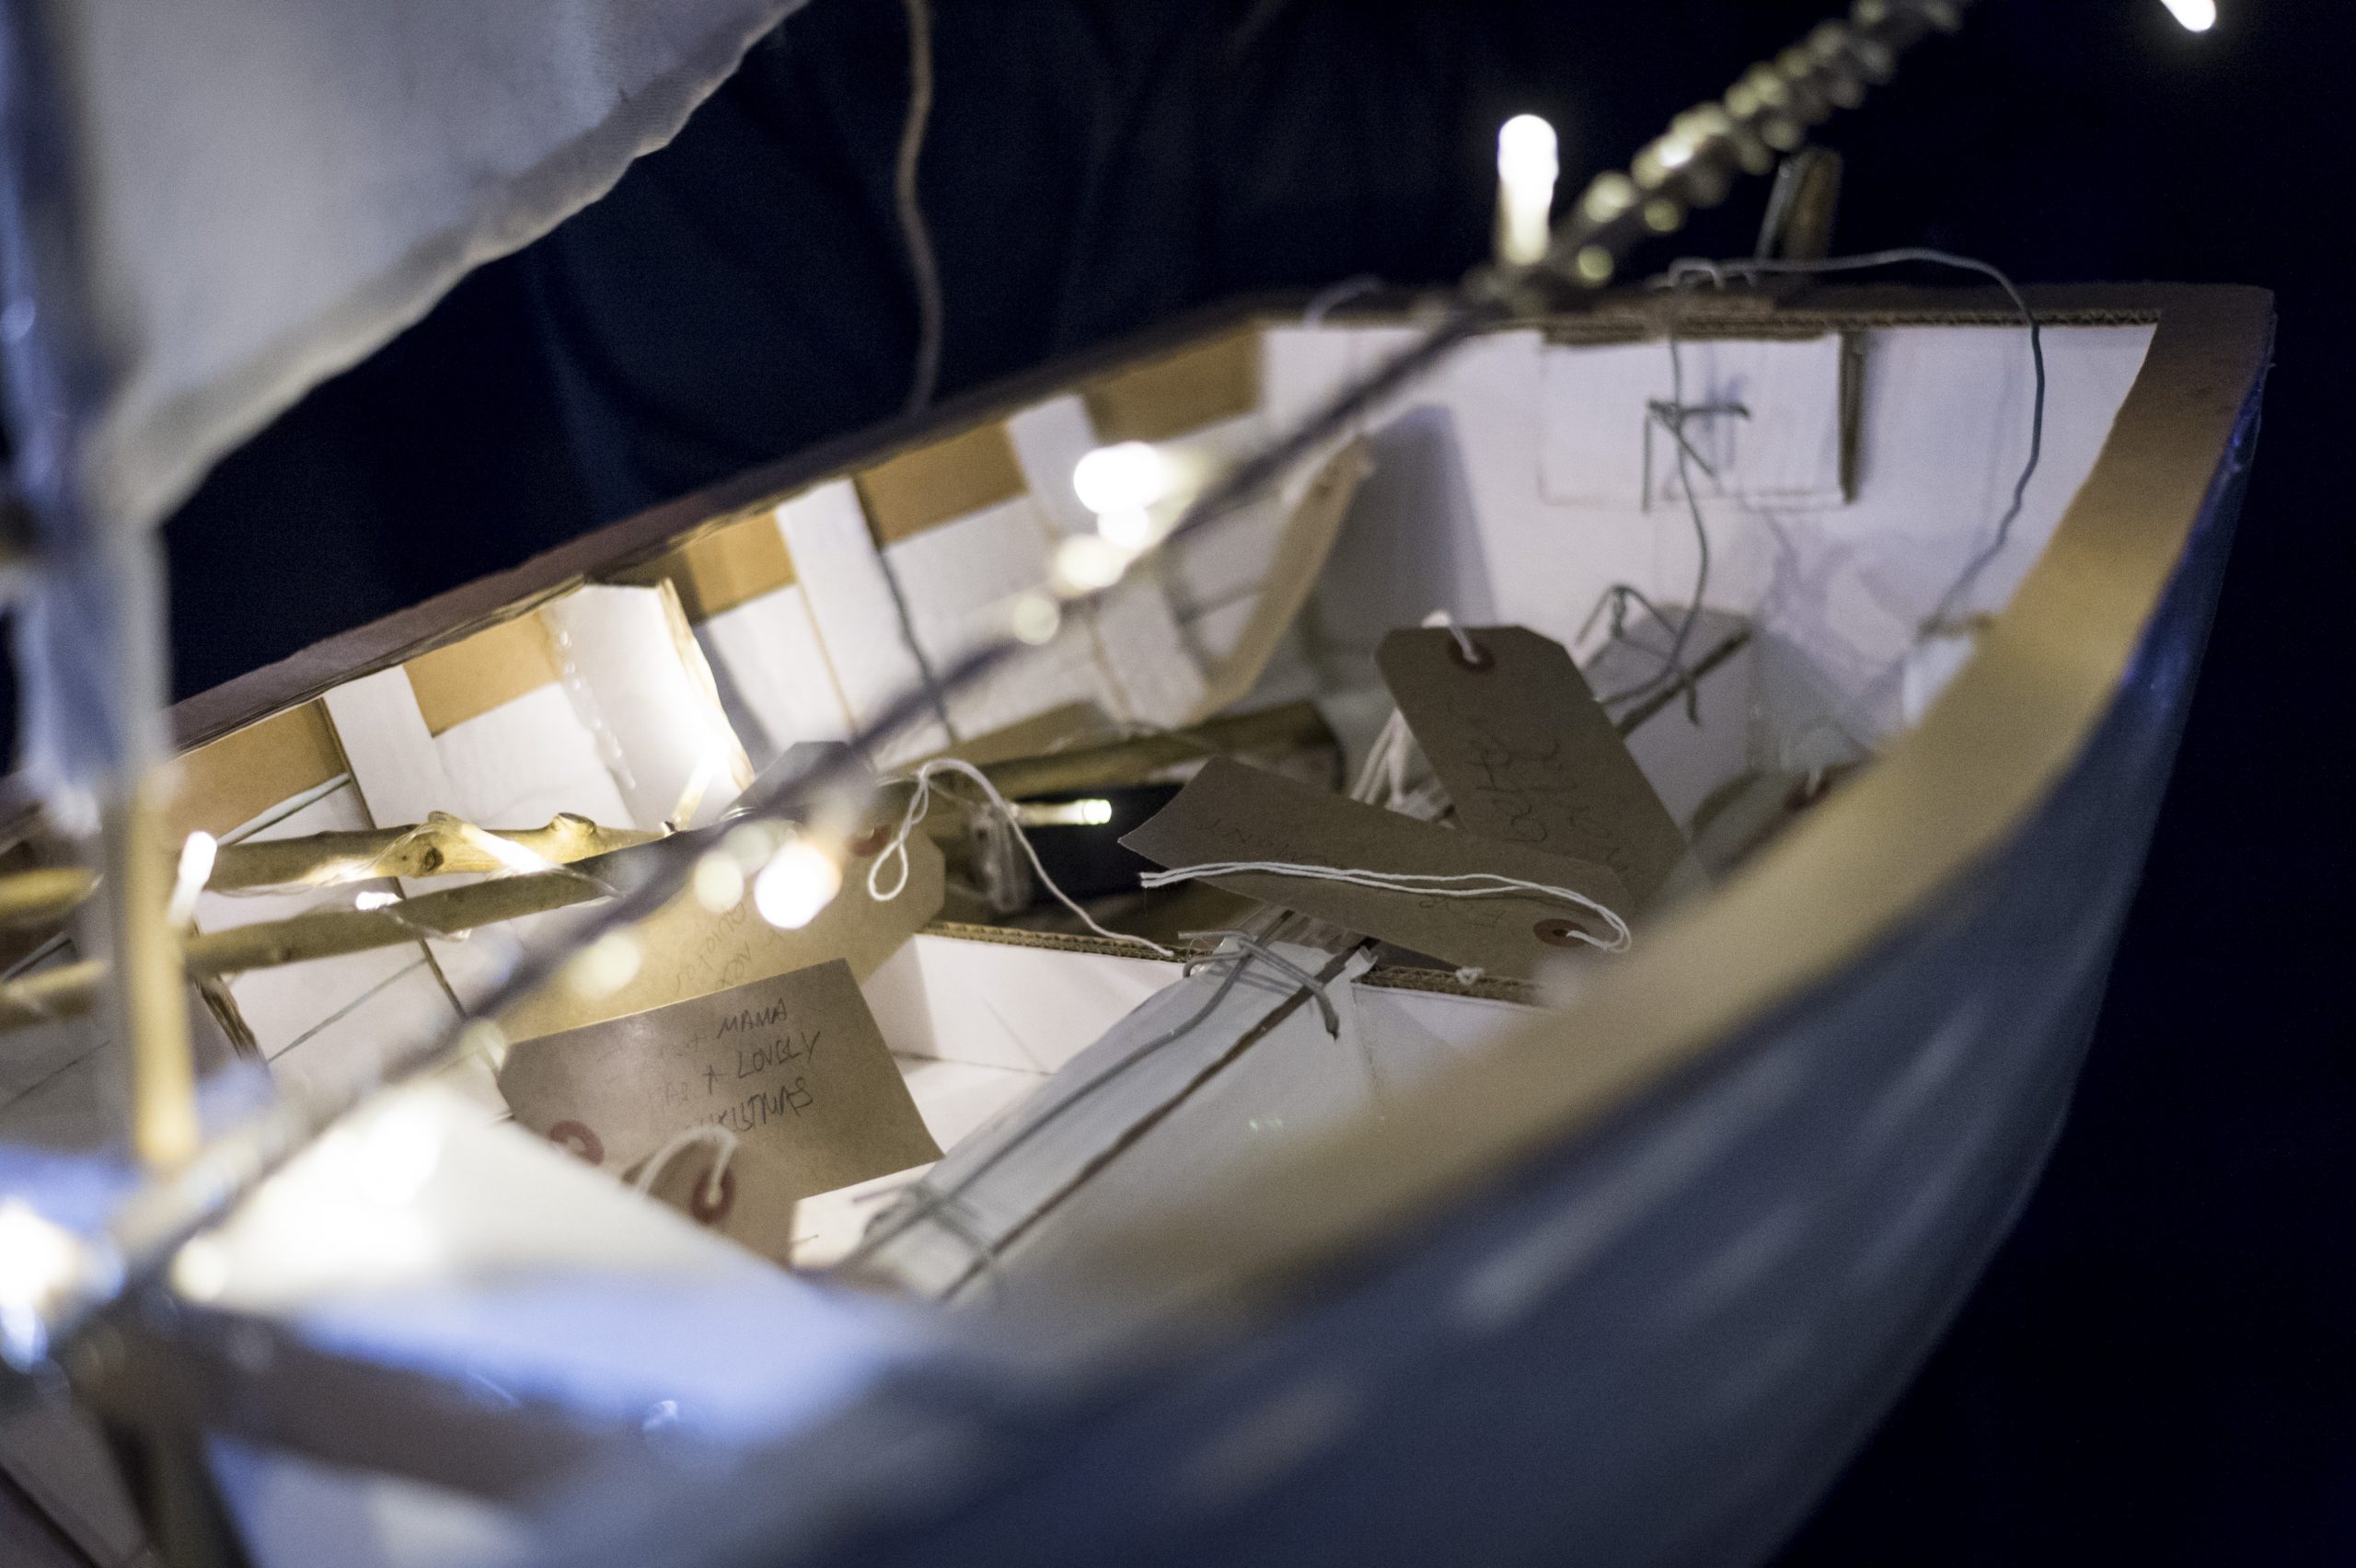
2160 1367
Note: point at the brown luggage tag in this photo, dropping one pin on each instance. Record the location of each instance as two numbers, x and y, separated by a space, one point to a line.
1232 813
1527 754
793 1065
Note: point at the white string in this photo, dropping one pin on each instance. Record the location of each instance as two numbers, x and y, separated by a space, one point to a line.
1245 942
1462 884
1941 618
1329 300
686 1138
924 266
920 802
1382 777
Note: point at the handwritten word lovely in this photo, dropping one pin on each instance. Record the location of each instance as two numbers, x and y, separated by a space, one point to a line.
754 1061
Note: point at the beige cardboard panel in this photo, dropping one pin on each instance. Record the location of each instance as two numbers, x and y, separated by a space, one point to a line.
494 666
230 781
1301 549
1528 754
792 1064
1234 813
928 486
686 952
1169 396
722 568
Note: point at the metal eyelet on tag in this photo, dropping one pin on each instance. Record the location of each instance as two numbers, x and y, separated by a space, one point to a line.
1559 933
707 1207
579 1142
1469 655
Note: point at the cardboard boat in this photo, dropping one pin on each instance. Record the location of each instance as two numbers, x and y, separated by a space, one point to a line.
1344 1255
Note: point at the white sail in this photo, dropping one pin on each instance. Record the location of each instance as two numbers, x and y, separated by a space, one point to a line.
265 190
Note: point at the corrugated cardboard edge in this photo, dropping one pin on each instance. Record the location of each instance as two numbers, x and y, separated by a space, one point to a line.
1050 942
1382 976
1941 800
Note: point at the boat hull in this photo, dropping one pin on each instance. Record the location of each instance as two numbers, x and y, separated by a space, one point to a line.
1656 1341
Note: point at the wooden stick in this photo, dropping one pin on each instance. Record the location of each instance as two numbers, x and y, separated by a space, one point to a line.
44 895
69 989
150 1011
441 846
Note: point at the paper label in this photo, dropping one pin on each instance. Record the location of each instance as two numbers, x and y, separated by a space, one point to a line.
1234 813
793 1065
1527 754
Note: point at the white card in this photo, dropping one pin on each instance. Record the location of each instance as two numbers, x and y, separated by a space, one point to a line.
850 600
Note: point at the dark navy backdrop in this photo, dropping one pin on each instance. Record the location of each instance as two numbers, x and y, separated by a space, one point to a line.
2159 1365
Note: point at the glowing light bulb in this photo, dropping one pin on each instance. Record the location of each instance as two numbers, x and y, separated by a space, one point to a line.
1129 529
201 1269
1131 476
1086 562
2195 15
197 855
1529 161
796 885
719 882
605 965
38 1262
1037 620
1063 813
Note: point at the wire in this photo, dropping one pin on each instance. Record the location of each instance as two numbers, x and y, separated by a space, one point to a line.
920 800
923 266
1424 884
1940 618
884 1231
1671 418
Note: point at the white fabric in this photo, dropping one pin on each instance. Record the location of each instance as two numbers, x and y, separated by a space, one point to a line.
270 189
